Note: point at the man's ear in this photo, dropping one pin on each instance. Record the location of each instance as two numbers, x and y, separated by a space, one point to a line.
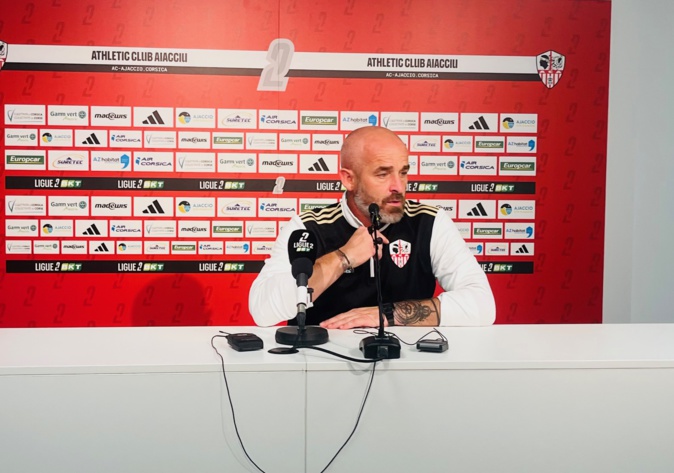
348 179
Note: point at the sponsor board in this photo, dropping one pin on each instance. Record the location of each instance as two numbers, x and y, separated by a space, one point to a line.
152 161
91 139
278 163
25 205
294 141
520 231
237 162
68 160
116 206
262 247
21 137
77 115
448 205
522 144
457 144
487 230
323 142
413 161
237 247
278 120
195 117
74 247
98 247
111 161
57 228
237 118
67 205
152 117
516 209
432 121
237 207
91 228
319 120
464 229
400 121
425 143
159 139
260 229
517 166
195 161
129 247
307 205
46 247
126 228
194 139
478 165
227 228
477 209
110 116
479 122
477 248
434 165
518 123
153 207
522 249
210 248
489 144
160 228
25 160
228 140
126 139
352 120
194 228
55 137
21 228
497 249
277 207
18 247
156 247
25 114
318 164
261 141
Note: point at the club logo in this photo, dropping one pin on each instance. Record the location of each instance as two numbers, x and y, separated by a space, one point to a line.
400 251
3 53
550 65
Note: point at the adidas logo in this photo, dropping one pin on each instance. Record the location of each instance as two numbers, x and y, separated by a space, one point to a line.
479 124
154 208
320 166
477 211
522 250
154 119
92 230
102 248
91 140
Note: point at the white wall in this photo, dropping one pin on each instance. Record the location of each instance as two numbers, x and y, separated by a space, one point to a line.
639 254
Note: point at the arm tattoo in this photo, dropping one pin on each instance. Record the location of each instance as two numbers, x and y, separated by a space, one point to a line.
413 312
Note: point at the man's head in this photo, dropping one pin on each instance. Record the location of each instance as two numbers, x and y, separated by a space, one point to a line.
374 166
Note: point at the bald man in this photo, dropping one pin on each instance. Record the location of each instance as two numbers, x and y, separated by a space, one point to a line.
421 245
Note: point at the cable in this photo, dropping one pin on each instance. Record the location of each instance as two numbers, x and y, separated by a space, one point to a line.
231 404
362 406
357 360
367 332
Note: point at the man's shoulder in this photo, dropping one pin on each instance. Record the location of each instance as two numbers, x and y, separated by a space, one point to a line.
322 216
416 209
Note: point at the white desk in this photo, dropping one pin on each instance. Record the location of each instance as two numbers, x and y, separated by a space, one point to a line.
595 398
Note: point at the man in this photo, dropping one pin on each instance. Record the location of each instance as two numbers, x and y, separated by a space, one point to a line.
421 244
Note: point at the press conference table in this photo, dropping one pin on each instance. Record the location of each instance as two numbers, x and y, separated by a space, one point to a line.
506 398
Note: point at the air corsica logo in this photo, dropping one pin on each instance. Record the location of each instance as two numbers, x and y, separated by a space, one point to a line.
550 65
3 53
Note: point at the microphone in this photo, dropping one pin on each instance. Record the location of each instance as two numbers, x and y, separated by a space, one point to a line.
302 250
375 218
380 346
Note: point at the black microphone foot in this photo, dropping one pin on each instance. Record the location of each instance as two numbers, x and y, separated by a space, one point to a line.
309 336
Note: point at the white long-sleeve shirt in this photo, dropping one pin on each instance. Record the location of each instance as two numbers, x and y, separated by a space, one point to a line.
467 299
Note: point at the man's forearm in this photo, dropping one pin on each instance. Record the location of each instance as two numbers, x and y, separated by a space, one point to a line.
425 312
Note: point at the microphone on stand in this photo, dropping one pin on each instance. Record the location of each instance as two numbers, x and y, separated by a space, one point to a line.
302 254
381 345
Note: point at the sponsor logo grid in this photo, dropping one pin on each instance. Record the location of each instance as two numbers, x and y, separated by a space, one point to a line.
260 143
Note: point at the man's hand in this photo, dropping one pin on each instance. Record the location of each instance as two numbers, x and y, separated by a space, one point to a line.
360 317
360 248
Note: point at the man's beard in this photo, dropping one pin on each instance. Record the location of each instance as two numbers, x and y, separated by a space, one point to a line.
393 215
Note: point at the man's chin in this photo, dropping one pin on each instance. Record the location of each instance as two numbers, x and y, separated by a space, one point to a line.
392 216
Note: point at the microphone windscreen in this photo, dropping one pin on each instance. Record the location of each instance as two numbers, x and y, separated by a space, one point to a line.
373 208
302 244
302 266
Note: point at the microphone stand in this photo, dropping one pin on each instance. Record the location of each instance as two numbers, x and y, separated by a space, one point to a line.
379 346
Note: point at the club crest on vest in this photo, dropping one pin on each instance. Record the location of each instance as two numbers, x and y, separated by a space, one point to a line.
400 251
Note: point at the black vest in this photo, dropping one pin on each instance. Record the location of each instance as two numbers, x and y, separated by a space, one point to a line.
411 278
